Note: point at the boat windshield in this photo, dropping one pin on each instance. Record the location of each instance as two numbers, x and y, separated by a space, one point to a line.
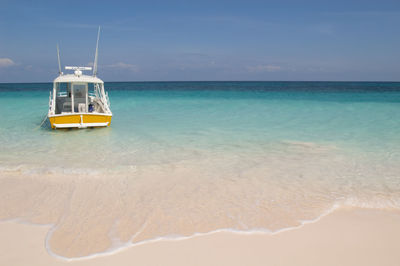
76 97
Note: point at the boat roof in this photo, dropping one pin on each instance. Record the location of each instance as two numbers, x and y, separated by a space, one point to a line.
75 78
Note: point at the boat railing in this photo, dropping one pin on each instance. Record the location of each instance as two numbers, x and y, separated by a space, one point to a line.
50 100
108 100
97 91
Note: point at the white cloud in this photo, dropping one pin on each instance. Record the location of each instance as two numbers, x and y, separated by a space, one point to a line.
264 68
122 65
6 62
118 65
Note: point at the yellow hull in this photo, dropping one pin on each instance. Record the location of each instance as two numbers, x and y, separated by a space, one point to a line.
79 120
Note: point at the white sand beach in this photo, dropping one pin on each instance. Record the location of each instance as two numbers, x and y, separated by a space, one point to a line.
345 237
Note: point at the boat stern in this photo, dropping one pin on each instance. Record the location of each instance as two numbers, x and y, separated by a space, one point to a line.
80 120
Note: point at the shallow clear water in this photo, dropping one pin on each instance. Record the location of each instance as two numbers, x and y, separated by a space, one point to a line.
187 157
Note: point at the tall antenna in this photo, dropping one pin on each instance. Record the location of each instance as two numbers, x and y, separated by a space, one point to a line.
96 55
59 61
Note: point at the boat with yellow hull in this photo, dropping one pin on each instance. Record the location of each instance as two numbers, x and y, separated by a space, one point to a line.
77 100
80 120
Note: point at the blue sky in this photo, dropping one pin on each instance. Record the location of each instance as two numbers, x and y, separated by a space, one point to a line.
203 40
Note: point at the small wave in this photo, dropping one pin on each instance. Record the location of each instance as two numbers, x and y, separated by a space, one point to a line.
119 246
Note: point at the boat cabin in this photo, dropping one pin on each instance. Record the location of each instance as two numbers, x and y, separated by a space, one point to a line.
78 96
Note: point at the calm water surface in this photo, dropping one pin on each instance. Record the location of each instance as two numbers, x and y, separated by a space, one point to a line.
187 157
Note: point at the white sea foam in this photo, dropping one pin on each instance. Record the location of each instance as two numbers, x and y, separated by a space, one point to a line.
119 246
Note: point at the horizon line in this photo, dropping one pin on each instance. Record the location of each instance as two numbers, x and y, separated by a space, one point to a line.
176 81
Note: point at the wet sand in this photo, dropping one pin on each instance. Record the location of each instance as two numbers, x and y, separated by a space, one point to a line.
344 237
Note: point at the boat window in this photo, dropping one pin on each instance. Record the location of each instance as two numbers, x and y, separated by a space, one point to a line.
80 99
79 90
63 89
91 89
63 98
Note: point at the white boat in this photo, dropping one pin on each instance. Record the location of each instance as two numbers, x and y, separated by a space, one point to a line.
78 100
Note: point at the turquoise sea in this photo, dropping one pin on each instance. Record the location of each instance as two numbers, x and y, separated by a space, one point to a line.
182 158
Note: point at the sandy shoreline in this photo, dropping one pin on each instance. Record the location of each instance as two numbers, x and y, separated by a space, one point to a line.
344 237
